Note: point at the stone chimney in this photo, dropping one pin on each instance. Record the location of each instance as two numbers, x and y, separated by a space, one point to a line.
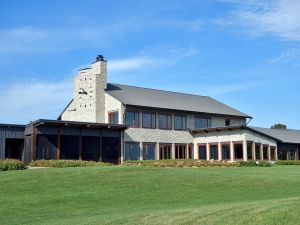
89 93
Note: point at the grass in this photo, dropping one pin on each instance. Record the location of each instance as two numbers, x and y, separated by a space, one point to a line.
145 195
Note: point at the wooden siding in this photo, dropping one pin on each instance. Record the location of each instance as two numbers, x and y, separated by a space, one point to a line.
9 132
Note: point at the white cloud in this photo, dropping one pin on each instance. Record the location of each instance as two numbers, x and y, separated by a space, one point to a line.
279 17
286 56
129 63
186 25
23 102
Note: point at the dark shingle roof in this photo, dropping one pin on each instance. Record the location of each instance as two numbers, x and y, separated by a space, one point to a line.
138 96
287 136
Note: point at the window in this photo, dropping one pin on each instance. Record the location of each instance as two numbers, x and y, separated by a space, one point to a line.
179 122
113 117
149 120
257 151
180 151
249 151
165 122
131 151
191 151
225 152
202 122
149 151
202 152
214 152
132 119
165 151
238 151
227 122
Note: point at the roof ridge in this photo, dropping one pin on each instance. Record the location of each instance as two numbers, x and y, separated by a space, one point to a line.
288 129
176 92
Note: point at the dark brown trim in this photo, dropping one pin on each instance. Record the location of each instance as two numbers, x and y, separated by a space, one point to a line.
34 142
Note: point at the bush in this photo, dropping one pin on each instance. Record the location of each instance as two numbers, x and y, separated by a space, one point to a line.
288 162
256 163
11 164
181 163
66 163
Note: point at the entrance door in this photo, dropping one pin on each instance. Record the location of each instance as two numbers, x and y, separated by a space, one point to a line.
165 151
14 148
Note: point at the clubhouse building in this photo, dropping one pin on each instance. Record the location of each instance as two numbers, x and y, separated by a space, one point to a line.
113 122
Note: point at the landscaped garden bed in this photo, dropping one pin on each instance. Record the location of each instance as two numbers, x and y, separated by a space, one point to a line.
66 163
11 164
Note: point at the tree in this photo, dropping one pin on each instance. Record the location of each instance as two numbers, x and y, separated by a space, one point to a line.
278 126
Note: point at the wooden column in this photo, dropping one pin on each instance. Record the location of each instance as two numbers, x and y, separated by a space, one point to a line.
58 144
261 152
219 151
245 149
269 153
80 144
207 152
100 146
232 156
253 151
33 143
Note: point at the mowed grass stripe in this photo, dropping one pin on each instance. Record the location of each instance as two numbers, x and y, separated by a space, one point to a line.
139 195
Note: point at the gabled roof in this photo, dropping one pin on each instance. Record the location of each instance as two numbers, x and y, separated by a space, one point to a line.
146 97
283 135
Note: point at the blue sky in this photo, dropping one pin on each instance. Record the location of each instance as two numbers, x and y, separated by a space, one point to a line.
243 53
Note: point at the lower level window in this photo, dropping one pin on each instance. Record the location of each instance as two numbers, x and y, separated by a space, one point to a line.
214 152
180 151
131 151
165 151
148 151
202 152
226 152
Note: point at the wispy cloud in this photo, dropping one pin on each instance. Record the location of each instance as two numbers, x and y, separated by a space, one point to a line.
186 25
278 17
23 102
150 59
286 56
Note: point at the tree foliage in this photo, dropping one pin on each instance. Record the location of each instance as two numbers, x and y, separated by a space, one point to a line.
279 126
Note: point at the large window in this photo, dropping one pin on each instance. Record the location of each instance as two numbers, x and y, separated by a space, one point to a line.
165 151
165 122
179 122
202 122
131 151
132 119
149 151
257 152
113 117
202 152
214 152
225 152
180 151
149 120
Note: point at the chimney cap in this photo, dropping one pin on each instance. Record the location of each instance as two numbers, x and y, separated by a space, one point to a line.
100 58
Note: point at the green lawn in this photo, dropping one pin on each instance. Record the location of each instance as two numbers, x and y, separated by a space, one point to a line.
137 195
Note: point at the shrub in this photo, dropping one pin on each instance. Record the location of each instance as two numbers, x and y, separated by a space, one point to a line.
66 163
256 163
181 163
11 164
288 162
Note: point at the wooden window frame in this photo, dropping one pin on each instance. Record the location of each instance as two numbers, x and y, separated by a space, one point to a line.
177 150
165 114
185 125
203 117
130 143
151 120
112 113
202 145
146 144
138 121
228 144
163 146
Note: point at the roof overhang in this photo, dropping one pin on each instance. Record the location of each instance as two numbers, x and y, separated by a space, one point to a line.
76 124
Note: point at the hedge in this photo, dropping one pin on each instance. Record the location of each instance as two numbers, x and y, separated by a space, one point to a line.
256 163
288 162
66 163
181 163
11 164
